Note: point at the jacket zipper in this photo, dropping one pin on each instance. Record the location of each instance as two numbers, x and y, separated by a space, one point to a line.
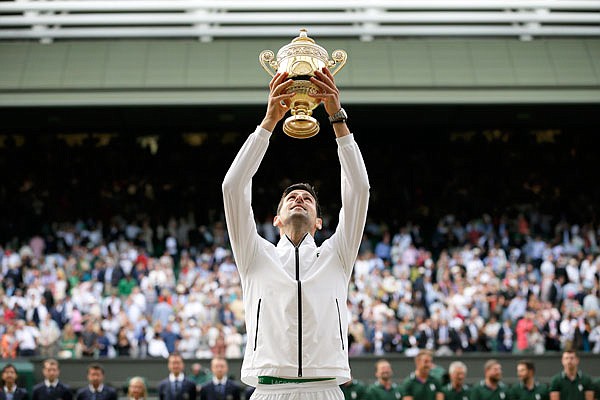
337 304
257 319
299 311
299 285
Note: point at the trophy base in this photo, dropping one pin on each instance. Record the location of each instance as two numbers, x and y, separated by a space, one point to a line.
301 126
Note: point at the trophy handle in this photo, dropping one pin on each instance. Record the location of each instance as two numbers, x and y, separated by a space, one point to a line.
267 61
338 61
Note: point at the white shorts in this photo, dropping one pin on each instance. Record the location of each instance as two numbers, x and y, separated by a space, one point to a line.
327 390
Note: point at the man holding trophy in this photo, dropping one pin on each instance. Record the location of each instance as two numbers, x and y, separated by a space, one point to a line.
295 292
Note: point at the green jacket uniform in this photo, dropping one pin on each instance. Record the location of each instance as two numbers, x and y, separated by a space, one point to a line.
482 392
518 391
571 389
418 390
450 394
378 392
354 390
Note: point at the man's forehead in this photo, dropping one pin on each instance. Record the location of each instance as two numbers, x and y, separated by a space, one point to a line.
297 192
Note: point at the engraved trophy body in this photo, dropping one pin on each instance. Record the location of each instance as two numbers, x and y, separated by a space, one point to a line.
300 58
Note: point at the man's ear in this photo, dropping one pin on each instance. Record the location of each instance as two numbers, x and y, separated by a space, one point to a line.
277 221
319 224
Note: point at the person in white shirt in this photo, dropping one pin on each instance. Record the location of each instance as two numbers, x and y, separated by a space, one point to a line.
295 292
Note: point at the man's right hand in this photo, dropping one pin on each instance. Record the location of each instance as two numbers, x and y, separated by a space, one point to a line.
279 100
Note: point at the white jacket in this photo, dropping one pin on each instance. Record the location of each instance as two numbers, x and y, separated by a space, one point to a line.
295 298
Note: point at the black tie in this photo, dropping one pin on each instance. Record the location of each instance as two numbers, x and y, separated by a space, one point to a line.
51 391
220 390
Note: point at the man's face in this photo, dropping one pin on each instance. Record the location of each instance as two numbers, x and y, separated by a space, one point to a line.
457 377
9 375
196 368
51 372
523 372
570 361
384 372
424 364
298 205
494 373
95 377
175 365
219 368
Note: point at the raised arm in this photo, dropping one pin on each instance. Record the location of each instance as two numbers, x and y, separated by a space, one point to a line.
237 184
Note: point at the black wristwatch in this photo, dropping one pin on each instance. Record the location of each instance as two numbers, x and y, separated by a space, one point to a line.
339 116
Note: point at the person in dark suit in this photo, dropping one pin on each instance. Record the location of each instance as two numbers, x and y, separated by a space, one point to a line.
220 387
9 384
51 388
177 386
96 389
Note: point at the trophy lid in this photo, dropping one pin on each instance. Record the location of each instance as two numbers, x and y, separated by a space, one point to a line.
303 37
302 45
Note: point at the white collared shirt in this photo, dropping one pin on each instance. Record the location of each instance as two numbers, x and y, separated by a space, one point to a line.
222 381
48 383
100 388
179 378
14 388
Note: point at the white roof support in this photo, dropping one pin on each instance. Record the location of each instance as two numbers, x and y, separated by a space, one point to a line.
206 20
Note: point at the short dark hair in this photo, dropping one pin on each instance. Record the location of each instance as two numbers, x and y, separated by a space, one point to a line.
528 364
301 186
95 366
9 366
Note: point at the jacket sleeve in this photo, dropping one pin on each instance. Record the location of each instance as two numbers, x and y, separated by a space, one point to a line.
355 201
237 197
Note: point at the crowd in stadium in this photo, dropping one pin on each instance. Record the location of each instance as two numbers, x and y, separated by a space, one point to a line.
128 288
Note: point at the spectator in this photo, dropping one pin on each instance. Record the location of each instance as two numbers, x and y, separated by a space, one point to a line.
157 346
170 337
88 340
27 335
9 344
505 337
69 343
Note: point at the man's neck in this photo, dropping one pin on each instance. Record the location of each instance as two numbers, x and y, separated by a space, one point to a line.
457 386
386 384
529 383
421 376
571 374
491 384
296 236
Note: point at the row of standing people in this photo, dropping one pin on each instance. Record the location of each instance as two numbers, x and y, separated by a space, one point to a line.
201 385
424 384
